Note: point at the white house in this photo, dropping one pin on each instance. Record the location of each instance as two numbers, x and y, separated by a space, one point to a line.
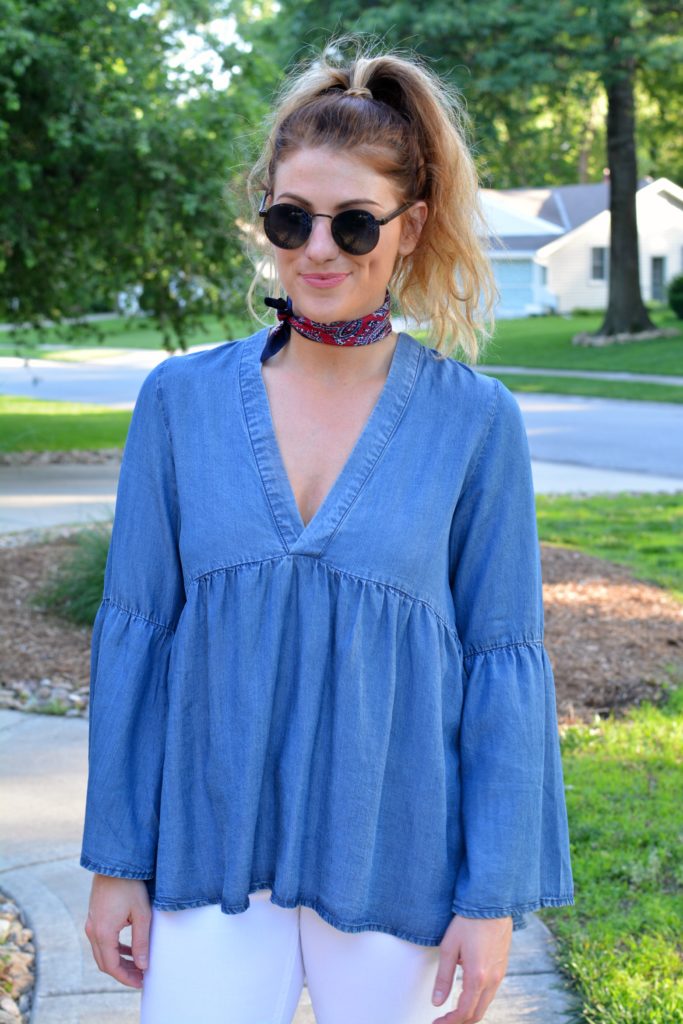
550 246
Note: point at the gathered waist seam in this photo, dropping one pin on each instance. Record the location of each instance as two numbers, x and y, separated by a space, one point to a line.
330 567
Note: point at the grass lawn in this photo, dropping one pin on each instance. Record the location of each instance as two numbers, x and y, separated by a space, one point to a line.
635 391
546 342
29 424
642 531
622 942
137 332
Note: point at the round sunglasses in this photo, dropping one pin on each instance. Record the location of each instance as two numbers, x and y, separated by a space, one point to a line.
355 231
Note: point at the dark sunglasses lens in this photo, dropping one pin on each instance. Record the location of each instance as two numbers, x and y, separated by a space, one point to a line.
287 226
355 231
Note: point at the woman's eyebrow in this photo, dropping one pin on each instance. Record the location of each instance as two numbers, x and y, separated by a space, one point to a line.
339 206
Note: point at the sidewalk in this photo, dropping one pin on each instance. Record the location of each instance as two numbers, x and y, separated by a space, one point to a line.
43 766
645 378
54 494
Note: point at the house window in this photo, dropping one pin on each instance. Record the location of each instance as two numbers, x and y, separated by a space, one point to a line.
599 264
659 278
544 276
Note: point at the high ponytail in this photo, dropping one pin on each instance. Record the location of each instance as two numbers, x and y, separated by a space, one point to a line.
408 124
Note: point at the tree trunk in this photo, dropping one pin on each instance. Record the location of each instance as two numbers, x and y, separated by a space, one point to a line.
626 311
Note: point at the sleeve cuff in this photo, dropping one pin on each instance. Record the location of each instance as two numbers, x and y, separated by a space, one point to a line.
114 870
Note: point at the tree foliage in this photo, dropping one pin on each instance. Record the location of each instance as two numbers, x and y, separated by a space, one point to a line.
532 73
114 170
538 79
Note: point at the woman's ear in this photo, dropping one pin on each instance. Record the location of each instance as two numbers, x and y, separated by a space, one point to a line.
411 227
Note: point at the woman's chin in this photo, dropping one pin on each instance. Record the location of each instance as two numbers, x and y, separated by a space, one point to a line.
323 309
329 308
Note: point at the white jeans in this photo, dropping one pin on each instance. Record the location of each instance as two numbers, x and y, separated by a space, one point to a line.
249 968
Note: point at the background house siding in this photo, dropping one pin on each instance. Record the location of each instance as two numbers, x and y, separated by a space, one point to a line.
569 267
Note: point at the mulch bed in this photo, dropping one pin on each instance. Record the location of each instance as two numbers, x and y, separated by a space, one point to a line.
609 636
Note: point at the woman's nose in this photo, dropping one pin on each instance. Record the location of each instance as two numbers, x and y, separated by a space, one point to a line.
321 245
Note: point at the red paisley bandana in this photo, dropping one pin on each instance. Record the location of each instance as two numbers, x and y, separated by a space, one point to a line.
363 331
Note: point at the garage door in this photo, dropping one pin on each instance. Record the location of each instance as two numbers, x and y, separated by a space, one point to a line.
514 279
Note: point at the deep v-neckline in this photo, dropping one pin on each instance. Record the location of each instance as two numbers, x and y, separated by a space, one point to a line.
311 537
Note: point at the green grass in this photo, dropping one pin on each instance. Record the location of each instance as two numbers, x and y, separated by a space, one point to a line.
545 342
121 333
632 390
642 531
28 424
622 941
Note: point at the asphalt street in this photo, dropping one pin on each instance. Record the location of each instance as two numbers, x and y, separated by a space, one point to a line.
602 433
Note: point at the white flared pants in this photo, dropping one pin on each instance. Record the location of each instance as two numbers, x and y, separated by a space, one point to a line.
249 968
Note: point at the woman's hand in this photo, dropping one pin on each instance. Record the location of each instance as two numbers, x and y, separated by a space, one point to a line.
114 904
481 946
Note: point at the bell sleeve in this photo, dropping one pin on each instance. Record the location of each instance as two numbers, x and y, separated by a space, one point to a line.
513 813
132 636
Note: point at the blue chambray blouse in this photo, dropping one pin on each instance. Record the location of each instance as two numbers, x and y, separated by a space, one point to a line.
358 714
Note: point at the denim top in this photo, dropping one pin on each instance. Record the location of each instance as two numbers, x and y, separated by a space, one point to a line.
358 714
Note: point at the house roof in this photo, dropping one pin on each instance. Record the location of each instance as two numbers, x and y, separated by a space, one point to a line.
515 228
566 206
662 187
527 219
520 243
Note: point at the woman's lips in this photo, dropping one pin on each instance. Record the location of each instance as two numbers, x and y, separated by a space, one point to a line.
324 280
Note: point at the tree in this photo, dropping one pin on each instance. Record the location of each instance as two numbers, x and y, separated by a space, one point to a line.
114 168
528 69
626 310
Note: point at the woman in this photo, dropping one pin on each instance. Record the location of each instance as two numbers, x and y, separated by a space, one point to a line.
323 733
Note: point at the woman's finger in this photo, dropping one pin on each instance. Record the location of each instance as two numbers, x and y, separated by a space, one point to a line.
89 930
141 917
473 986
485 1001
114 964
448 961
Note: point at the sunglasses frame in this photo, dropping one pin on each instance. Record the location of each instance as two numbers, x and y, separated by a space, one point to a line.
379 221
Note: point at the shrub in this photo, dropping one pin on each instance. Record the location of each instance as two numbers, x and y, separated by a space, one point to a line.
74 589
676 295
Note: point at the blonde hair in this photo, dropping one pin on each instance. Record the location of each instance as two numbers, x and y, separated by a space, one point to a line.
410 125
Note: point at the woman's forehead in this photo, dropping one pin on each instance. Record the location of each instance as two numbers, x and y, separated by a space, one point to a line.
316 173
